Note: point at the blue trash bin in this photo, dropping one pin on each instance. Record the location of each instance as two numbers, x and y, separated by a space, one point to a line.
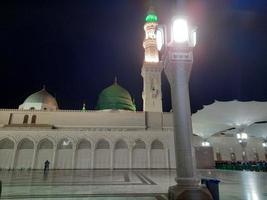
213 187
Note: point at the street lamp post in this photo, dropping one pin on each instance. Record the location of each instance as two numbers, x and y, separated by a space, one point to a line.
178 60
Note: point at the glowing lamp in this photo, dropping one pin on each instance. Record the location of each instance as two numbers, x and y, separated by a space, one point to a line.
242 136
180 30
264 144
205 144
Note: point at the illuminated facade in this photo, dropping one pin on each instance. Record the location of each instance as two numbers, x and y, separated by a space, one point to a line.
114 136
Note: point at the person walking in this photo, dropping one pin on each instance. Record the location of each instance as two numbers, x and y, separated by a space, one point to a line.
46 166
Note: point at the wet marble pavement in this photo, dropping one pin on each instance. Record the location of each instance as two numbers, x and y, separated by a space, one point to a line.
122 184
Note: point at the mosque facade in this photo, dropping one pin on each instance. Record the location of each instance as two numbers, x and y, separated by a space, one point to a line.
114 136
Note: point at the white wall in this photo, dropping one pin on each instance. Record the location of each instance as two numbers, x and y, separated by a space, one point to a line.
158 159
102 159
24 158
83 159
64 159
6 156
140 158
42 156
121 158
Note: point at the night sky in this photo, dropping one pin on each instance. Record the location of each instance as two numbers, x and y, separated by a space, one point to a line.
76 49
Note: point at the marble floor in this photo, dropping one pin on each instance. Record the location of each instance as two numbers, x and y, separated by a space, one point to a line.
122 184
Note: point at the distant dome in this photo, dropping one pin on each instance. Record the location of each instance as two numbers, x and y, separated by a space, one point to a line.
115 97
41 100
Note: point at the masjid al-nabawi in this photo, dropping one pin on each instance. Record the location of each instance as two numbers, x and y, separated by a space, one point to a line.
113 136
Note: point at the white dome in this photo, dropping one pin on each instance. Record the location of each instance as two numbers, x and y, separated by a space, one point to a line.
40 100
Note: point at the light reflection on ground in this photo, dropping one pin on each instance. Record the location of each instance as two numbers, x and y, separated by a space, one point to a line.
122 184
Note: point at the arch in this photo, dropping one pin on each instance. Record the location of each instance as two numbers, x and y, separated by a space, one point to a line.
45 144
44 152
121 155
25 119
26 143
84 144
102 144
139 144
64 154
102 154
24 154
64 143
121 144
139 155
157 155
7 143
6 153
33 121
256 156
233 156
83 154
218 156
156 144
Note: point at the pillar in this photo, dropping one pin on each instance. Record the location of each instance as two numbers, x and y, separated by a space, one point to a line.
148 156
112 157
73 156
34 156
130 157
14 156
54 157
167 158
92 158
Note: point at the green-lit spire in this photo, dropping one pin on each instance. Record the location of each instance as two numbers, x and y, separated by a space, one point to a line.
151 15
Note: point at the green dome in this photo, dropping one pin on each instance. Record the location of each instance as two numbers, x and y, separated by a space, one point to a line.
115 97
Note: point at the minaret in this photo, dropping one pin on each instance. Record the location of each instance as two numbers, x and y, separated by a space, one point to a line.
151 70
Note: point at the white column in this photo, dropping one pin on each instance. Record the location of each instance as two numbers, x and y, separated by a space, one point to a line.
54 157
73 156
167 158
92 158
148 156
178 77
130 157
34 156
14 156
111 157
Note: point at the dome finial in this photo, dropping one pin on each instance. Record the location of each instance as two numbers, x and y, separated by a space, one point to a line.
115 80
84 106
151 14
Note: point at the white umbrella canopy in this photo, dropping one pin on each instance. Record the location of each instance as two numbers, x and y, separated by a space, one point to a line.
223 115
257 130
206 129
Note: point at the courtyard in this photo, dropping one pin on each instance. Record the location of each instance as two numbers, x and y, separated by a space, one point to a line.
122 184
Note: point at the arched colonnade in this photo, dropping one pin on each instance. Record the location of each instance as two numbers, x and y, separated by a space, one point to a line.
83 153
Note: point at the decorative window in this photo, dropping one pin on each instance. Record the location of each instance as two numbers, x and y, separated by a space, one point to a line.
25 119
33 119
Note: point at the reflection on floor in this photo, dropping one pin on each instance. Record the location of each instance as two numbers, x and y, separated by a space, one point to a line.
122 184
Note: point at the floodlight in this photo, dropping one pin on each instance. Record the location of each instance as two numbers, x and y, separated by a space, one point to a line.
180 30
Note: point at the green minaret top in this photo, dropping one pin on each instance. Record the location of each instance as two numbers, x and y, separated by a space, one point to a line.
151 15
